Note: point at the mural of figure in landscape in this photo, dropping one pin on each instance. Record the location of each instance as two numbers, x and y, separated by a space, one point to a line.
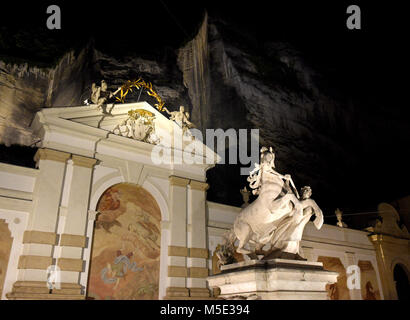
126 245
368 281
338 290
5 246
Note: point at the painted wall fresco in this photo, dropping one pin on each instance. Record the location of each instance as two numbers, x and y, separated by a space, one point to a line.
338 290
368 281
125 255
5 246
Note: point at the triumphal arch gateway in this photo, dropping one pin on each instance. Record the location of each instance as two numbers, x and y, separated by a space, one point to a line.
100 217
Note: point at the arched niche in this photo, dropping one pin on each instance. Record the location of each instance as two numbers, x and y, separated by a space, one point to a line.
338 290
368 281
126 246
402 281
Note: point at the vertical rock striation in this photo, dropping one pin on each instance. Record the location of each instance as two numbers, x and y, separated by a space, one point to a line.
193 61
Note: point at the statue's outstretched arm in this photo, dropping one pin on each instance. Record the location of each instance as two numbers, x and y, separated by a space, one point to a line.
166 110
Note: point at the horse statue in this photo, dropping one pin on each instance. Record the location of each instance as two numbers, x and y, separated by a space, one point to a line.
277 217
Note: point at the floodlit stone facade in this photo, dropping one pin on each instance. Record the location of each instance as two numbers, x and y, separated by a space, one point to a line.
83 187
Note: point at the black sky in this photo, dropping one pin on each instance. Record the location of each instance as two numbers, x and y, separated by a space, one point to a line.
367 61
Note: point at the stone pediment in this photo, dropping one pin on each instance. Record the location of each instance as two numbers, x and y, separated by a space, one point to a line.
87 131
390 222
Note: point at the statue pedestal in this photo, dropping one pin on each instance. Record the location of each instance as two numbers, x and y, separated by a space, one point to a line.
276 279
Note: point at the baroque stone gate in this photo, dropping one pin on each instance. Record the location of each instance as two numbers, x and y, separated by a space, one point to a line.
79 158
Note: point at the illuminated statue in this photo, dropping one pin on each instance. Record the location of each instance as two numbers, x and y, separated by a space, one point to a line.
181 117
100 95
139 126
339 214
276 218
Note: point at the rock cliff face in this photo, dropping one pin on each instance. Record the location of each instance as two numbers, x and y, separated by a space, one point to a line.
24 90
321 136
275 91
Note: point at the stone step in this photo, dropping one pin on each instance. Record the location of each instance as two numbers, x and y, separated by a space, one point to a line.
40 287
43 296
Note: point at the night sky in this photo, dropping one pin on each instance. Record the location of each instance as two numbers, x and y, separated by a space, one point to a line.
370 64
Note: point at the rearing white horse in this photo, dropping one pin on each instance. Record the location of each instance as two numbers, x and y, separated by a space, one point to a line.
255 224
278 216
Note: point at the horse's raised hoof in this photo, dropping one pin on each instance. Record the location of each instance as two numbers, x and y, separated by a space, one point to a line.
243 251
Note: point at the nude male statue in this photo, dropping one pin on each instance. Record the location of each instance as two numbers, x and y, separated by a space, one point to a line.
181 117
100 95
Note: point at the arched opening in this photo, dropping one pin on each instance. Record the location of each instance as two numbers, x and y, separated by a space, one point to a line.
402 282
125 254
338 290
368 281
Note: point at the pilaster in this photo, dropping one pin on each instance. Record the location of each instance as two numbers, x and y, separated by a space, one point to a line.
198 252
177 252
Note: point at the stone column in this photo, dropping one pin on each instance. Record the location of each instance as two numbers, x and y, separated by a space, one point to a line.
73 238
40 237
177 251
198 251
386 276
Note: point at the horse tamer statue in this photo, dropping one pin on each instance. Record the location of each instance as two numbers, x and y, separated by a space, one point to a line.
277 217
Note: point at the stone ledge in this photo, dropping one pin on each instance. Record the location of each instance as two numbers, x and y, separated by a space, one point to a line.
198 185
274 279
177 292
273 263
40 237
83 161
72 240
178 181
69 264
199 292
50 154
175 271
188 298
198 253
177 251
198 272
43 296
35 287
34 262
